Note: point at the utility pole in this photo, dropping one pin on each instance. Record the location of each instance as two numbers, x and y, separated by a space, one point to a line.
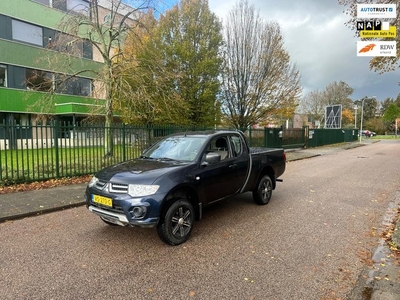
355 116
362 115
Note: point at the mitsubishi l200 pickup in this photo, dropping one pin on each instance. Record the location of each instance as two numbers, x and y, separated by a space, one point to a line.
168 186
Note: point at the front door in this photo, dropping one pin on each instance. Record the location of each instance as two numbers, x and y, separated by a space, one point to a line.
221 179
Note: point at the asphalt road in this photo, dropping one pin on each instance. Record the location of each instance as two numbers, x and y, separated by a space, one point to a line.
312 241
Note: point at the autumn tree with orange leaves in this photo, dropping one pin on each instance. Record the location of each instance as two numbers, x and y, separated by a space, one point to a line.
347 118
145 96
177 68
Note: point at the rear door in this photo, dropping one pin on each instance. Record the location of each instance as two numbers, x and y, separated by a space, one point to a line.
240 160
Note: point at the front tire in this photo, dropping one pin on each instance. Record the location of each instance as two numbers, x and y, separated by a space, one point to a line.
177 223
262 194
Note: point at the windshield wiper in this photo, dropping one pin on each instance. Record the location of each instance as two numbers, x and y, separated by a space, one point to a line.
166 158
146 157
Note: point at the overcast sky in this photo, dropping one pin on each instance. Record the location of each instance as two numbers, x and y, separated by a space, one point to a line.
323 48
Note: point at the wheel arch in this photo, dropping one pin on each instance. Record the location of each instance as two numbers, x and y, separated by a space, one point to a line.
186 192
268 170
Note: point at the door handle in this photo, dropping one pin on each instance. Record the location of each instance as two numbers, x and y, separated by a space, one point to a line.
232 166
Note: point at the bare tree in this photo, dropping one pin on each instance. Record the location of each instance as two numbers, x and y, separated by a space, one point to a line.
104 27
313 104
258 78
339 93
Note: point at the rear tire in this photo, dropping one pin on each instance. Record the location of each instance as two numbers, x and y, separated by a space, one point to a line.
176 225
262 194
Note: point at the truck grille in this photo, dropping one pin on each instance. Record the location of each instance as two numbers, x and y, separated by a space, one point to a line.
118 188
113 187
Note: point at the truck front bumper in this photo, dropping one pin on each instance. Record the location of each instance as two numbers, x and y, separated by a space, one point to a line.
122 211
121 219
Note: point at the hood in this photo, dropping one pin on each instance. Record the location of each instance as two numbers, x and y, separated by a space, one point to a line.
142 171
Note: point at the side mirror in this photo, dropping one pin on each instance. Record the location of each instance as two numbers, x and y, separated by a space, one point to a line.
212 158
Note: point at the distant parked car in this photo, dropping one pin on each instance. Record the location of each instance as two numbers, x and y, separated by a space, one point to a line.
368 133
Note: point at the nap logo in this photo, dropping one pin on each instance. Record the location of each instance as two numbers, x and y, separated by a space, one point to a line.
376 48
375 29
376 11
369 25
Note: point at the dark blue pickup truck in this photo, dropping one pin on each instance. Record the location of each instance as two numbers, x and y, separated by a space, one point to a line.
168 186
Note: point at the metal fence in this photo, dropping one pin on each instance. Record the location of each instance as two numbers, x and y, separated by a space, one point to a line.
57 150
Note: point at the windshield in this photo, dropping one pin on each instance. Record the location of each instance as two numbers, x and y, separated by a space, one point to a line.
184 148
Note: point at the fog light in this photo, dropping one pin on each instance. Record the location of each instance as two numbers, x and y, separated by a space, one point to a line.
139 212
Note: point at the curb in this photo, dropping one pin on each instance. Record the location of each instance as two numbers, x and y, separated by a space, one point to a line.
40 212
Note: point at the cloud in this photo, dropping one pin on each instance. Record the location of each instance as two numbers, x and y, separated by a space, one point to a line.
322 46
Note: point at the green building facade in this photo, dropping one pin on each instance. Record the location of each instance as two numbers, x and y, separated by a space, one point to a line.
40 66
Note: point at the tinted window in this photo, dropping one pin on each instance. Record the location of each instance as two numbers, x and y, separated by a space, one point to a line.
39 80
73 86
5 25
3 76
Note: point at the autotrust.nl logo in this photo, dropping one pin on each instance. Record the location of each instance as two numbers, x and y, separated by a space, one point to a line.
376 11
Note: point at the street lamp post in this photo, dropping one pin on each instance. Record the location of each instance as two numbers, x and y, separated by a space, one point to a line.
355 116
362 115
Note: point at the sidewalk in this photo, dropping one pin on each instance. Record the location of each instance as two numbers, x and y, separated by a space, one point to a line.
23 204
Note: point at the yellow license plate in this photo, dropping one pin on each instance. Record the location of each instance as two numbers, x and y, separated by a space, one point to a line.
102 200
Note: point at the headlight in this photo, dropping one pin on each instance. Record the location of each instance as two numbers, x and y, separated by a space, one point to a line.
138 190
93 181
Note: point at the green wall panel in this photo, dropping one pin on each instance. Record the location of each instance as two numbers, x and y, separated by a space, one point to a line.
21 101
15 53
32 12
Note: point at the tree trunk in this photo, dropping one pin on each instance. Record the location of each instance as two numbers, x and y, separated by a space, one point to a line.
108 131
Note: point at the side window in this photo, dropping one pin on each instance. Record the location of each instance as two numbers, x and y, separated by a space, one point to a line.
236 145
220 146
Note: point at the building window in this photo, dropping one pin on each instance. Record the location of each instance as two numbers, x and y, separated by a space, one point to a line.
79 6
62 42
73 6
39 80
45 2
3 76
26 32
22 120
73 85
